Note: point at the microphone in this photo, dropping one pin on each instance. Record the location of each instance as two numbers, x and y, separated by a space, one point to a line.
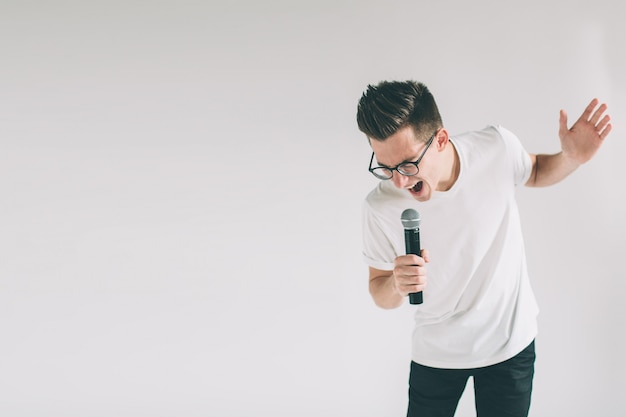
411 221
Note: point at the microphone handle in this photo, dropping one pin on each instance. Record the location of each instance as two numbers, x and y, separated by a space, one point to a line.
412 244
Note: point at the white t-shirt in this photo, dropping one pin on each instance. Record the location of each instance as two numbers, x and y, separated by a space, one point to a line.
479 308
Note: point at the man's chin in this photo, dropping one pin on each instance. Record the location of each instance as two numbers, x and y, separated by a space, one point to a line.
420 195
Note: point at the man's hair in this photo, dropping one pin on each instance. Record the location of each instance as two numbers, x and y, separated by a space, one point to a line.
392 105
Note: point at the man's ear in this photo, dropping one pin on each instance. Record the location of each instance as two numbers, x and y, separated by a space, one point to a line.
442 139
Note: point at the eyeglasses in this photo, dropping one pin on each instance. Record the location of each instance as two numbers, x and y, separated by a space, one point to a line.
406 168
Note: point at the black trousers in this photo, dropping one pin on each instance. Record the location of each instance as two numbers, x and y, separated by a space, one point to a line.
501 390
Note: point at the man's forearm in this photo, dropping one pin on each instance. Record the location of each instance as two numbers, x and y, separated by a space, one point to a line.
384 292
550 169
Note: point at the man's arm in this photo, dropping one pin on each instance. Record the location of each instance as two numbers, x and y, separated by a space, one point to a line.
383 290
578 145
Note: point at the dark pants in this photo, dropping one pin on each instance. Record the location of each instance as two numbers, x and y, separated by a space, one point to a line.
501 390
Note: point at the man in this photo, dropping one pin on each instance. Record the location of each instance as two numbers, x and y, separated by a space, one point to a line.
478 317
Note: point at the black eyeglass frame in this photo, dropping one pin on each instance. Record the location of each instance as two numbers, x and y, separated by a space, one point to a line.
399 166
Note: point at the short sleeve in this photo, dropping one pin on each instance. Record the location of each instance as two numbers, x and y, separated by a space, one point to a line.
520 159
378 251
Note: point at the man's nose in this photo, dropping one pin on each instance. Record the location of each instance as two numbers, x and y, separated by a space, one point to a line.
399 180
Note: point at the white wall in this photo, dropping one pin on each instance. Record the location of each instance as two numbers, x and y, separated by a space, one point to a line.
181 188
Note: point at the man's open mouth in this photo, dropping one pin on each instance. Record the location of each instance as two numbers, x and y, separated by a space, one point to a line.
417 187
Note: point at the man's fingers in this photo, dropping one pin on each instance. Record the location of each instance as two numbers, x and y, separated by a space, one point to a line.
589 110
413 284
408 289
597 114
603 123
408 260
606 131
562 122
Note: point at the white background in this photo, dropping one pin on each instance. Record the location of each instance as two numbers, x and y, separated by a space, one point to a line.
181 185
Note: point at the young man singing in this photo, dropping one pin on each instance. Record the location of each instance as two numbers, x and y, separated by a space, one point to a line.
479 313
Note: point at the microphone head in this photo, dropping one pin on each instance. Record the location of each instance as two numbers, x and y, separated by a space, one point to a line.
410 219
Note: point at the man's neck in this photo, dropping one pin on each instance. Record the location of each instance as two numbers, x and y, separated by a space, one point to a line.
452 160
